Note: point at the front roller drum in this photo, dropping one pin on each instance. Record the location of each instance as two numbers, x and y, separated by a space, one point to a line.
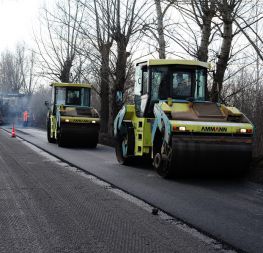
92 140
82 136
213 157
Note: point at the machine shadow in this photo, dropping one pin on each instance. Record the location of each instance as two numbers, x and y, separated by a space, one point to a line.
212 176
199 175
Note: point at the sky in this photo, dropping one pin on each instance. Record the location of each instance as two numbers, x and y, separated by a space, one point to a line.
17 18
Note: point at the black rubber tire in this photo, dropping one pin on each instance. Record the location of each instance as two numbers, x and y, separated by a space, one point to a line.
61 138
126 135
162 166
50 140
124 160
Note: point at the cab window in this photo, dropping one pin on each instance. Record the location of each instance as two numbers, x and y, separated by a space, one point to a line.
181 84
144 81
60 96
73 97
200 85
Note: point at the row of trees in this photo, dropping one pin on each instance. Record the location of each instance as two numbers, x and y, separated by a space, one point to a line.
98 41
17 71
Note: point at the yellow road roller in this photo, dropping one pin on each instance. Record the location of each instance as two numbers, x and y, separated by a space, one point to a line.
71 119
173 122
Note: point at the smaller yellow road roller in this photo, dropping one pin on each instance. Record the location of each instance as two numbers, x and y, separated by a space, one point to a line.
71 119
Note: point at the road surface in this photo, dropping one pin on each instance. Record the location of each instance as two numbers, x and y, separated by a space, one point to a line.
48 206
231 211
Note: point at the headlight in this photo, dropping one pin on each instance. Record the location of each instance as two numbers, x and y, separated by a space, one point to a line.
182 128
246 131
179 128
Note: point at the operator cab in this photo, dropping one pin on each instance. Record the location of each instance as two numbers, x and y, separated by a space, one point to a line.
157 80
72 99
72 96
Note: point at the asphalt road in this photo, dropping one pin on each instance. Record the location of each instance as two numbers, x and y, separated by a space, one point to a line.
231 211
47 206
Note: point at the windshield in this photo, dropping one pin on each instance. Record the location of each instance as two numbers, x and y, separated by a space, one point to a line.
72 96
170 81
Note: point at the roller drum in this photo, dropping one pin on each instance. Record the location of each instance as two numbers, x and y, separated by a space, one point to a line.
230 154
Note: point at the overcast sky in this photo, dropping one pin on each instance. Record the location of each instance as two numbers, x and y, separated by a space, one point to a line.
17 18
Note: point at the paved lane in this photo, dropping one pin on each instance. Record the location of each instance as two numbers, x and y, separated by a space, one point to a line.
47 207
228 210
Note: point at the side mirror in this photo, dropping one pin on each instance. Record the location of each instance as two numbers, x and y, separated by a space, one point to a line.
119 97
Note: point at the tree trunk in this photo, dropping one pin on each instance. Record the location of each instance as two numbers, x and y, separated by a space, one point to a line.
160 30
120 73
222 59
104 86
202 52
65 72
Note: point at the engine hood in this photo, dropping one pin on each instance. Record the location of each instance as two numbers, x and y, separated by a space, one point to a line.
202 111
79 112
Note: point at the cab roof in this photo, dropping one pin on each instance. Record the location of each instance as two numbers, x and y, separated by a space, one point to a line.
81 85
158 62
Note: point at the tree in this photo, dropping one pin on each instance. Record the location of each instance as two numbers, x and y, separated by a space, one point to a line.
206 12
125 24
160 13
17 71
98 35
227 10
219 21
58 43
28 71
10 73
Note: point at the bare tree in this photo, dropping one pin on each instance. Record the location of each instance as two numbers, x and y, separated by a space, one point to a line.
155 26
200 13
160 13
227 10
160 29
230 12
27 64
219 21
206 12
10 76
245 98
57 44
125 24
101 39
17 72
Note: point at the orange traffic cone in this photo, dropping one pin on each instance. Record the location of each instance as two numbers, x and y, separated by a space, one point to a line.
13 135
